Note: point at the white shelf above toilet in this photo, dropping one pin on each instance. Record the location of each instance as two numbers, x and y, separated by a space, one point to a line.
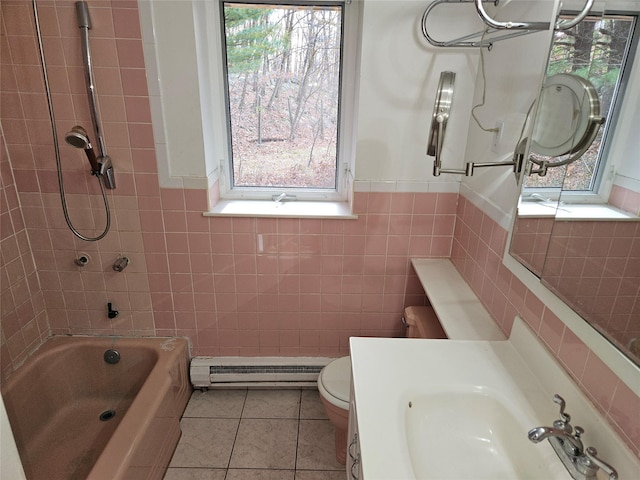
462 315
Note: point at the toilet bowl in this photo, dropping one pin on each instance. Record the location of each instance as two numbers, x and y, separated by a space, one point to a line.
334 381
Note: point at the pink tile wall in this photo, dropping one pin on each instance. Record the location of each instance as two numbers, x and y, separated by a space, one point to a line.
477 250
24 324
595 267
248 286
625 199
530 241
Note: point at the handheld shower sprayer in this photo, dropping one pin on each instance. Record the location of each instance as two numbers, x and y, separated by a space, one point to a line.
79 138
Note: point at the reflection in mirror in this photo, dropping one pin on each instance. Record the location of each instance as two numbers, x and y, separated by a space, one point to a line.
598 49
577 227
567 122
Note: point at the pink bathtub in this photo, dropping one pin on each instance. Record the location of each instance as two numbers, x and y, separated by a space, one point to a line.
76 416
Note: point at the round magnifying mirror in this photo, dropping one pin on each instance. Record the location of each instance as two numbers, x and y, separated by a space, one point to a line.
441 110
568 116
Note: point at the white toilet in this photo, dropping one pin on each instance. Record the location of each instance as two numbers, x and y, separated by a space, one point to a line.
334 381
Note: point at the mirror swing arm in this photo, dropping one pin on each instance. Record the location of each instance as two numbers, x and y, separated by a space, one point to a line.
546 164
441 111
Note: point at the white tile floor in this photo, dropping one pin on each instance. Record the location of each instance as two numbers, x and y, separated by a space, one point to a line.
255 435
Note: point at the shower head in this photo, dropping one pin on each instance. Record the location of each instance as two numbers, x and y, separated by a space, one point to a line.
78 137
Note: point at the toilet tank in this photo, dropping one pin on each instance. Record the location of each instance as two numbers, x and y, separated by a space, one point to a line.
422 322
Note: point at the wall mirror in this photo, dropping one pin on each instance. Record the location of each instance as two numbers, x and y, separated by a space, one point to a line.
577 225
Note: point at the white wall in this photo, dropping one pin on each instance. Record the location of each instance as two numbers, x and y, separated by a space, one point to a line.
399 78
178 107
514 71
626 142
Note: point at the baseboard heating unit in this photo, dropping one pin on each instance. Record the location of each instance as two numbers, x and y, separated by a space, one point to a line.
255 372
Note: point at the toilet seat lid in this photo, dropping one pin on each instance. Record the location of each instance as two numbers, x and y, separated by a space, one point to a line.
336 378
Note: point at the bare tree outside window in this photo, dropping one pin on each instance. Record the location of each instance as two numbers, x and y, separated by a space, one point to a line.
594 49
283 83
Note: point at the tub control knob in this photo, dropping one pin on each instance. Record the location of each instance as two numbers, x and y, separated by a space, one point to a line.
120 264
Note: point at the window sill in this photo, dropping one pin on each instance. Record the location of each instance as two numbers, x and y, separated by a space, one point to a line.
592 212
568 212
537 210
270 209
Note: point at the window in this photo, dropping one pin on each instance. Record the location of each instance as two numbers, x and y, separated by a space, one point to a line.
283 78
600 50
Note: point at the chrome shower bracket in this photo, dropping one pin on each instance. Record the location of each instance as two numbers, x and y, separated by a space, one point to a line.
107 172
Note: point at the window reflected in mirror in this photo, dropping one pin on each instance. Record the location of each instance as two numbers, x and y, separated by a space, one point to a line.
596 49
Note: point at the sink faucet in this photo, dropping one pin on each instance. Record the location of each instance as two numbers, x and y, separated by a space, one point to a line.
581 463
562 431
571 444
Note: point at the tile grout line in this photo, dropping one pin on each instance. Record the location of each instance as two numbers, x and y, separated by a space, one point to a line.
295 460
235 438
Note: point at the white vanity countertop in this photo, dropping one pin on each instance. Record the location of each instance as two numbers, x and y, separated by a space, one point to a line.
389 373
462 315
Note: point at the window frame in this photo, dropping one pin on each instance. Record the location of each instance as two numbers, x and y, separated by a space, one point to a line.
346 112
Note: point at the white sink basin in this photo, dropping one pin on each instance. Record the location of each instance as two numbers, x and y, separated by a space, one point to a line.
468 434
472 404
461 410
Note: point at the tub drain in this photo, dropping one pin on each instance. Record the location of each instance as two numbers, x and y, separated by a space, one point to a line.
107 415
111 356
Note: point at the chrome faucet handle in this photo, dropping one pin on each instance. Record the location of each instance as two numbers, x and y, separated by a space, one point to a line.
563 422
578 431
592 456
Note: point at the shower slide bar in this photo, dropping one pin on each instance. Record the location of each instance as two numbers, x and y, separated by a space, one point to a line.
84 23
515 29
